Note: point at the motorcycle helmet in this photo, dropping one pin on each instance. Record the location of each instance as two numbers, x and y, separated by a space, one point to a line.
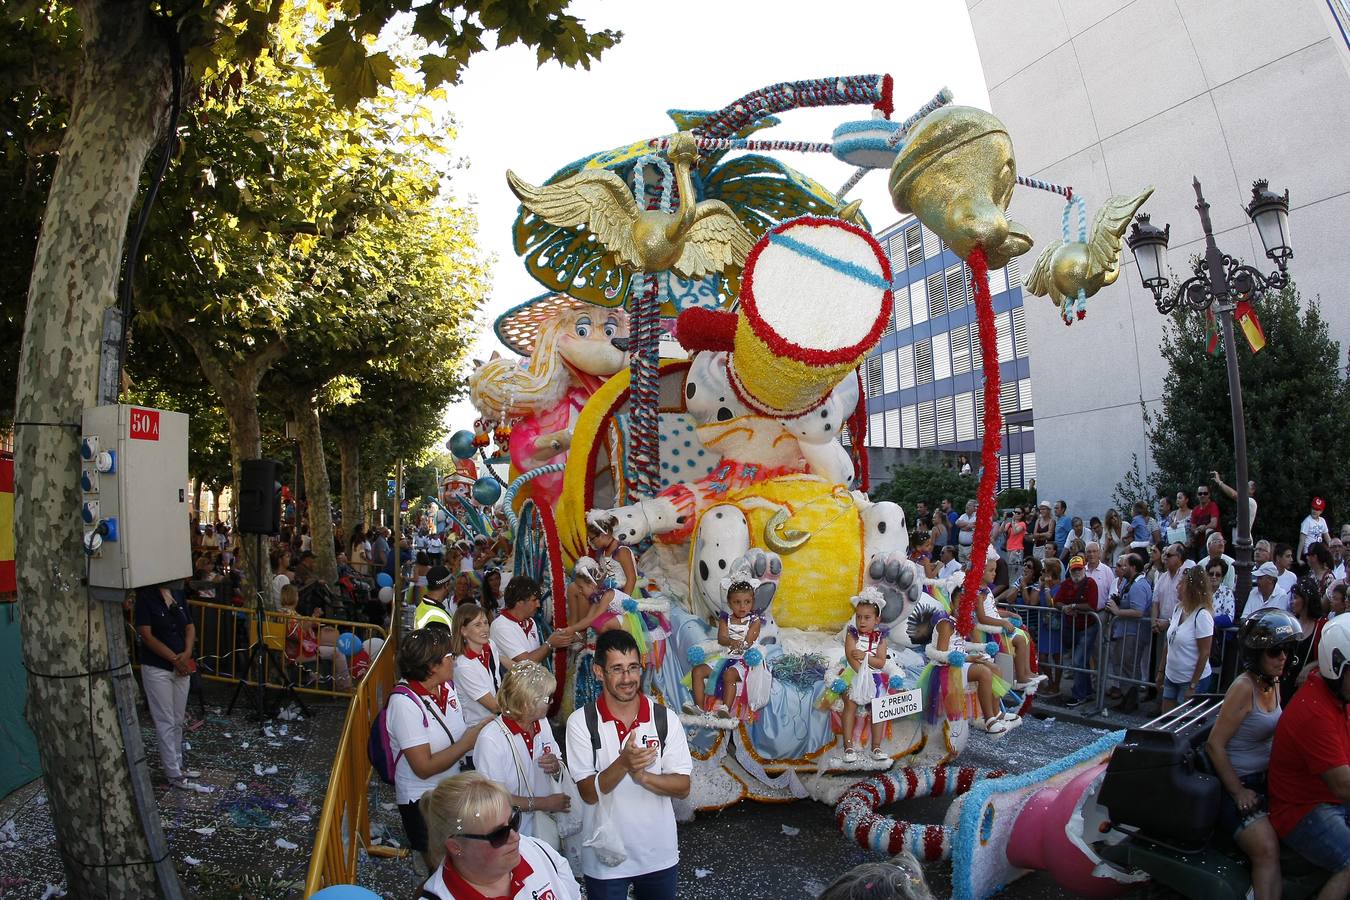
1333 654
1267 628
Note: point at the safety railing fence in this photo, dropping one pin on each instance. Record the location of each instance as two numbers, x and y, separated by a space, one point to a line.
1068 647
231 647
344 824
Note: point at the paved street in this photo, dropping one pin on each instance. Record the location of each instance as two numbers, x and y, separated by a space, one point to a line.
235 842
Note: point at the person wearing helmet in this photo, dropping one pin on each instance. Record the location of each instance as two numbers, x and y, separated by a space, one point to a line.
1305 604
1310 764
1239 743
432 611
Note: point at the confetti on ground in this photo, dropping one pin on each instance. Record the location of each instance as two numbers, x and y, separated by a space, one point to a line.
192 861
259 770
702 873
285 844
205 832
790 831
53 891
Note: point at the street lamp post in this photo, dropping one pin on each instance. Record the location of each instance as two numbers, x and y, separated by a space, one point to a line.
1220 282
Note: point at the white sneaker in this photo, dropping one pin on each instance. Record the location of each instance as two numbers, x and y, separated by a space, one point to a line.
191 773
880 755
850 756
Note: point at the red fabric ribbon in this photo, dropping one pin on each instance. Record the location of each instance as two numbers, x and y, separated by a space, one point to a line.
989 447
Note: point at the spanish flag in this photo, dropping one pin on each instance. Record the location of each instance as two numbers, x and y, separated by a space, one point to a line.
1245 319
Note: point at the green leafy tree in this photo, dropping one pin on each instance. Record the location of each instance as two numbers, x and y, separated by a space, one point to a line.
111 73
1295 392
932 484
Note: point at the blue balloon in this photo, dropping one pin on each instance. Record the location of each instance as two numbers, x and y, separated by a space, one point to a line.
345 892
487 491
384 579
349 644
461 445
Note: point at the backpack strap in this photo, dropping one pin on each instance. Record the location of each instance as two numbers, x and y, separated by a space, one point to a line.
662 726
408 692
593 726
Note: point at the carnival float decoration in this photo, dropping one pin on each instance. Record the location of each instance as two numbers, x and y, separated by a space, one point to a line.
727 468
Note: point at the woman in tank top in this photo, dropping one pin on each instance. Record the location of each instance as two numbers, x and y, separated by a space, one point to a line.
1239 744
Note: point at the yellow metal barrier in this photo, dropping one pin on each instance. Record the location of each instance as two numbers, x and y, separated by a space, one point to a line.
226 636
344 825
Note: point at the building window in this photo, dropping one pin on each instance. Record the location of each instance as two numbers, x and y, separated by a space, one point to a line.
956 287
913 245
892 428
872 376
946 420
895 249
965 416
961 340
903 318
876 436
1003 329
918 302
927 429
931 245
909 426
1007 397
937 295
1014 275
1019 329
942 356
905 358
923 362
888 383
1024 390
1028 466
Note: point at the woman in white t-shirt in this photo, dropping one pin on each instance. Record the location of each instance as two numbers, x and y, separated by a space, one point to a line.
518 751
1190 634
426 726
479 851
476 677
281 566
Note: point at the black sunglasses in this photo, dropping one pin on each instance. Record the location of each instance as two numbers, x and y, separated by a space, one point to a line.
497 837
1275 652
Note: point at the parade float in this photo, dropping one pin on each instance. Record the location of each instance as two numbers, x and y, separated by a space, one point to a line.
740 468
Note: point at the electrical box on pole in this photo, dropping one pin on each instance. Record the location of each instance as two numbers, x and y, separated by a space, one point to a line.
133 495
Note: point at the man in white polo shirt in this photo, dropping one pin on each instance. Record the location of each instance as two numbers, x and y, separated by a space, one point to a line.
641 763
515 634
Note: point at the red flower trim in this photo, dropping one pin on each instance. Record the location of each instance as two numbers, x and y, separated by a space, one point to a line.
706 329
993 440
886 105
780 345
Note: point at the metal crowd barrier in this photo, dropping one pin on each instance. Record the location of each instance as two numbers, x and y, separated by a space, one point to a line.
226 635
1078 637
344 825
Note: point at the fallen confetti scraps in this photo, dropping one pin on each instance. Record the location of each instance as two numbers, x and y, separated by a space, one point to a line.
702 873
285 844
790 831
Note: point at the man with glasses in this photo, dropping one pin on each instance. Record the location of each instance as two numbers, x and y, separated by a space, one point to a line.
1215 547
1204 520
1337 547
1166 584
618 747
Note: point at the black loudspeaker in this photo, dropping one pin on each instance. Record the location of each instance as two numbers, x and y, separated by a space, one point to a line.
260 497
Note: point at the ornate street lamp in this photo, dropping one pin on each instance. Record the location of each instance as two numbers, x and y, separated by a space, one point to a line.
1220 282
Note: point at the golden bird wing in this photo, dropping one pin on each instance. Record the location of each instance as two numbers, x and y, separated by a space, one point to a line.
717 240
1104 241
1041 279
597 199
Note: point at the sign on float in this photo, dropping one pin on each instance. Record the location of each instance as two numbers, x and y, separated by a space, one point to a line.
896 706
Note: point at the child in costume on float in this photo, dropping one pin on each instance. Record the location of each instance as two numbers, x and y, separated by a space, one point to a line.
737 632
1009 634
865 640
619 567
953 664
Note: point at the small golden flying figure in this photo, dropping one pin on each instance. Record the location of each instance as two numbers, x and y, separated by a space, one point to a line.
696 240
1064 269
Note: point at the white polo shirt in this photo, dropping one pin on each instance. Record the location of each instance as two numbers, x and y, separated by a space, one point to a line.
475 677
512 638
502 755
541 874
404 720
645 817
1278 599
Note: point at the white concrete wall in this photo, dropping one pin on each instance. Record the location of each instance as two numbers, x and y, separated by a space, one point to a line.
1109 96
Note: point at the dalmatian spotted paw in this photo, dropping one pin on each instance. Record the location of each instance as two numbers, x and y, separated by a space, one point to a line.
764 567
899 580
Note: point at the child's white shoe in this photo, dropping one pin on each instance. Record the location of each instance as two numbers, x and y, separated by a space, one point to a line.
880 755
850 756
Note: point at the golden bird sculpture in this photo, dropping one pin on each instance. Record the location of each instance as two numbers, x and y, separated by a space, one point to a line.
1065 268
696 240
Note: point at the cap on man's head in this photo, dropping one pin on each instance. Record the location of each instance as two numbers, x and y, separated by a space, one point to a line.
438 577
1077 562
1319 504
1266 570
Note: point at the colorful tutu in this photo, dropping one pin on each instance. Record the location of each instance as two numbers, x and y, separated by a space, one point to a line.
944 693
712 685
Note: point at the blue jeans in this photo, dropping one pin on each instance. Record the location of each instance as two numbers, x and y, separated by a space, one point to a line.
648 886
1322 837
1084 646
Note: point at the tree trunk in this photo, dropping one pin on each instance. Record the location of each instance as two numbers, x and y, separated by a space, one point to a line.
117 114
317 488
197 500
237 387
353 508
215 506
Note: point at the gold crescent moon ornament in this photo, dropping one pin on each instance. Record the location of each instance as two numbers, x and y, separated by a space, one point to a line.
780 539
